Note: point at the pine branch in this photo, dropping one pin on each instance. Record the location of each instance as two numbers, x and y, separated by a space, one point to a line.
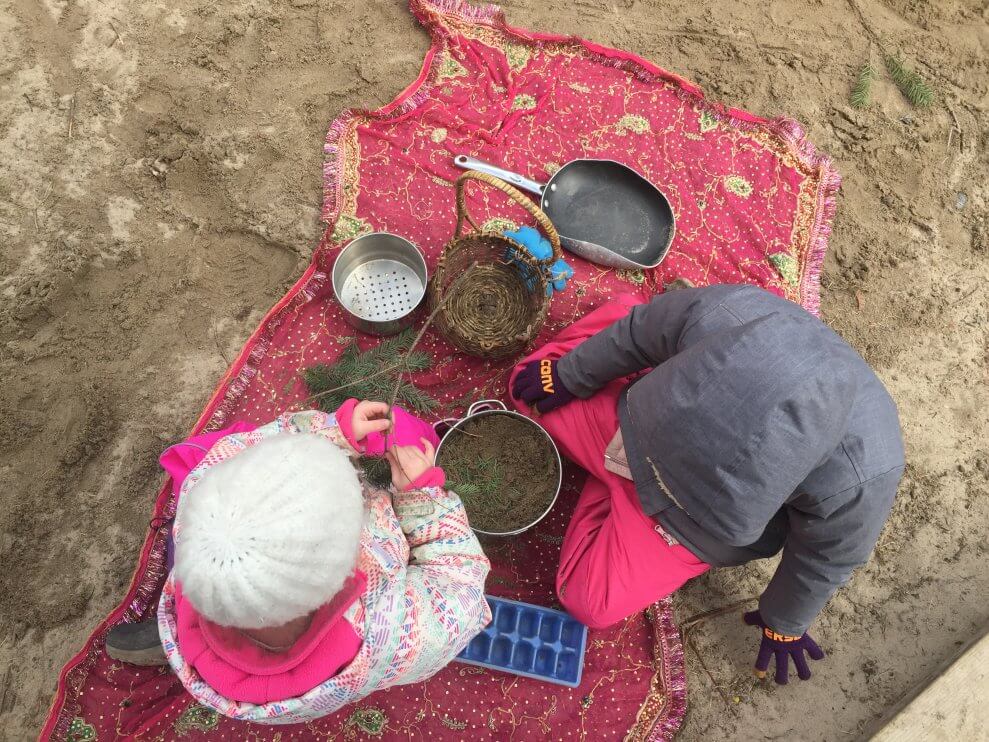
465 488
362 377
861 91
370 375
377 470
418 361
379 371
482 478
413 397
912 85
444 298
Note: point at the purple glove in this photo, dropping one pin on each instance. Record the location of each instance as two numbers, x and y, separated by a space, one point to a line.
539 385
784 647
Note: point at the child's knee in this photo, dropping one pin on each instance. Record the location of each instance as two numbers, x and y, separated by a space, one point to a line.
593 611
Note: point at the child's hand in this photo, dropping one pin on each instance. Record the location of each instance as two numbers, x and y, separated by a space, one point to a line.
408 463
369 417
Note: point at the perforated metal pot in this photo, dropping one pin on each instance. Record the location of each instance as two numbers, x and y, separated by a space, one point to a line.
484 408
380 280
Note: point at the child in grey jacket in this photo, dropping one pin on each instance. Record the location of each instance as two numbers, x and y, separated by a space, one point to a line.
744 427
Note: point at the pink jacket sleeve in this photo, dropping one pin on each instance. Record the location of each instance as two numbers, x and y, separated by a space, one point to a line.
182 458
407 430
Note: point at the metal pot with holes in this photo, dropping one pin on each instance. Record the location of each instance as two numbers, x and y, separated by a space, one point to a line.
380 280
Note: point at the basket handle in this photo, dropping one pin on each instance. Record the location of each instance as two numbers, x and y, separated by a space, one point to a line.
515 195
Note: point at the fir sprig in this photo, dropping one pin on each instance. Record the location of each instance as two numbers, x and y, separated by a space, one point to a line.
480 478
372 374
862 90
377 470
912 85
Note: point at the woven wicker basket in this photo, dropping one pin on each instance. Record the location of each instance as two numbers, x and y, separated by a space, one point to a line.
492 290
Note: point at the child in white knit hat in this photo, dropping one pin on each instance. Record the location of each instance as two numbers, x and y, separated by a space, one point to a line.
297 588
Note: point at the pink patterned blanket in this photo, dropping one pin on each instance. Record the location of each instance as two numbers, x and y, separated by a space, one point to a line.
753 202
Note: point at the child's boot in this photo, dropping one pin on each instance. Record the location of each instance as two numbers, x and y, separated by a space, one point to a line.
136 644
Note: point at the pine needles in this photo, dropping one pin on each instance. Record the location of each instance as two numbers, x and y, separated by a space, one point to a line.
480 479
862 90
911 84
492 502
503 468
377 373
377 470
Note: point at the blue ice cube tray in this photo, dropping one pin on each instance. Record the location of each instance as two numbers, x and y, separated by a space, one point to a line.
530 640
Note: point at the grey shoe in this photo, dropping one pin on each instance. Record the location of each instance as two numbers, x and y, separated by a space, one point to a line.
136 644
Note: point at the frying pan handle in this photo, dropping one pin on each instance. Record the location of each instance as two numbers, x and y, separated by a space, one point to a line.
512 193
469 163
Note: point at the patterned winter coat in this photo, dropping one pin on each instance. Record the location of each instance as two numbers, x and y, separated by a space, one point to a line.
423 603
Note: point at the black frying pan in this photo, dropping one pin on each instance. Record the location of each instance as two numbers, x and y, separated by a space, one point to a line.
604 211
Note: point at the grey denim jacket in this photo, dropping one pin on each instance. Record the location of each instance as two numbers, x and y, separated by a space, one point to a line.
756 429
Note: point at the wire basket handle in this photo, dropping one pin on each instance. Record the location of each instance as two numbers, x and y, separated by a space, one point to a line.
515 195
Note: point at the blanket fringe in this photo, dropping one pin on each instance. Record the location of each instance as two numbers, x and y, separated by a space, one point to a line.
431 12
787 130
145 582
675 683
334 148
217 414
810 288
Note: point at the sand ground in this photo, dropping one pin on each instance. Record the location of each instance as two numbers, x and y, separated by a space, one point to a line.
160 187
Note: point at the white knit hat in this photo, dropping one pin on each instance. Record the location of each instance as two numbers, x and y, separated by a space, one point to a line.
271 533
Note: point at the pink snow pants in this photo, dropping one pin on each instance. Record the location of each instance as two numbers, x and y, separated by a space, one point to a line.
614 561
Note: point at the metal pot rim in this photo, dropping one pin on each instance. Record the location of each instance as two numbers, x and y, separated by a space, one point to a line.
556 451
